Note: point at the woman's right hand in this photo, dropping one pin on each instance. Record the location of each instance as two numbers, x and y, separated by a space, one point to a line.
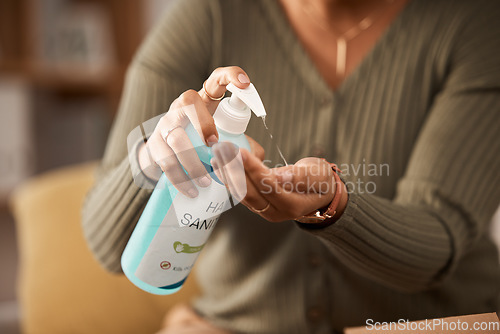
169 146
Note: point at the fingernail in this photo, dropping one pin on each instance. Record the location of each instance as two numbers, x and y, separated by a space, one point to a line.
212 140
243 78
192 193
204 181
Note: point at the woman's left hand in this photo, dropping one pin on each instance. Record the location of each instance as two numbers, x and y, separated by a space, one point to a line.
277 194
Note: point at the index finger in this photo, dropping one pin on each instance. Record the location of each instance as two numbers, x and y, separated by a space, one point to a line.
216 84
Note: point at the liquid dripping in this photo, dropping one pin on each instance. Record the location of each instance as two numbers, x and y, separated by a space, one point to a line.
271 136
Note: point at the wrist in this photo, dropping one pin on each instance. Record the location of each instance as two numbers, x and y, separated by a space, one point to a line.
329 214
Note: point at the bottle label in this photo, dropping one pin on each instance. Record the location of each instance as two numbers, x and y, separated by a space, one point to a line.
182 235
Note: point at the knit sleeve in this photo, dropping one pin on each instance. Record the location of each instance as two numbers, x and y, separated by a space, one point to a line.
451 188
177 55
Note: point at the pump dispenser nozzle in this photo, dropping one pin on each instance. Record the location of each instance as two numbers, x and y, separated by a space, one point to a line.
250 97
233 113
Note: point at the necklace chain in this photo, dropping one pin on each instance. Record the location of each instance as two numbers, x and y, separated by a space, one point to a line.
345 37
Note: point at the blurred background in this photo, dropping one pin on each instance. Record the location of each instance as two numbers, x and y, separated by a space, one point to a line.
62 64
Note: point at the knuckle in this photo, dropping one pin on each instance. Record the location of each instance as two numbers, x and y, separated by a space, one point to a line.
173 139
196 170
235 69
260 152
168 164
218 71
188 97
162 122
173 105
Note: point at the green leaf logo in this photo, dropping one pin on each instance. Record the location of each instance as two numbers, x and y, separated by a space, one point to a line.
179 247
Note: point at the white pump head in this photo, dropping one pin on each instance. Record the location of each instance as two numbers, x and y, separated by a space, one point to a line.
233 113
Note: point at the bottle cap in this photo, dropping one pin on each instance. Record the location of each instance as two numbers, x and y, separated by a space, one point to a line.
233 113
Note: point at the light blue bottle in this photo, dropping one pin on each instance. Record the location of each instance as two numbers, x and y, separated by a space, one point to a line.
173 228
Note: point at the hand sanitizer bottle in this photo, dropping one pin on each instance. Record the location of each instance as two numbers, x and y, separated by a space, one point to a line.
173 228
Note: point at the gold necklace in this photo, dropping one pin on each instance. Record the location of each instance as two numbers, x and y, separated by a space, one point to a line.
342 40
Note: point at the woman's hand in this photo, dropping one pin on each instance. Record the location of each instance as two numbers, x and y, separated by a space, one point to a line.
276 194
169 146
